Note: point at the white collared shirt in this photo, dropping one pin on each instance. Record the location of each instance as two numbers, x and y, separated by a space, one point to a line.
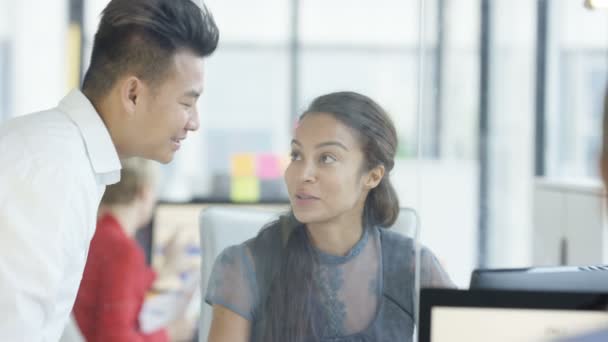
54 167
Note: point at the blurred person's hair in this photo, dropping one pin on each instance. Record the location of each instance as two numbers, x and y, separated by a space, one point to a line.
136 174
141 37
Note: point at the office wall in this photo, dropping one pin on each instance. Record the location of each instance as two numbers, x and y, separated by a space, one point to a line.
372 48
38 31
511 131
5 96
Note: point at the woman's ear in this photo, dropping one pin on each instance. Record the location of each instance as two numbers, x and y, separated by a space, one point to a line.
374 177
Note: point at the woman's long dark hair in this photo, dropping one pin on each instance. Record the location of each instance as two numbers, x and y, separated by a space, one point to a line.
288 308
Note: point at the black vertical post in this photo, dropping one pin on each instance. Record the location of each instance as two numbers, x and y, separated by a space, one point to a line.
437 133
294 65
484 131
541 89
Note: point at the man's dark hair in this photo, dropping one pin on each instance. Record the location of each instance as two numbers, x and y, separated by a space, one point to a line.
142 36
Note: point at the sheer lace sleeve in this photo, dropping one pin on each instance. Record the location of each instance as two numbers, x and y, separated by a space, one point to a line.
232 282
432 273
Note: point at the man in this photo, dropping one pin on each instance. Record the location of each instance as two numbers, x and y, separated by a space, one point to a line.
138 99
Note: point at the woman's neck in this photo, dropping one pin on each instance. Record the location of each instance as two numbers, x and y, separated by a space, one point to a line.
336 237
125 215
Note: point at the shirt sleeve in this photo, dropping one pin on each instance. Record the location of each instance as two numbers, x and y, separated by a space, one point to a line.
43 244
432 273
121 294
232 282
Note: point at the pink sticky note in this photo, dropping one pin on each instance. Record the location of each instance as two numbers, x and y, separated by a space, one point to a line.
268 166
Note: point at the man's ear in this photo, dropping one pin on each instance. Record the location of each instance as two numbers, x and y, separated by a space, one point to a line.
374 177
140 193
130 92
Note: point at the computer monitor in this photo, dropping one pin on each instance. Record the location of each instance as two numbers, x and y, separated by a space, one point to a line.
504 316
558 278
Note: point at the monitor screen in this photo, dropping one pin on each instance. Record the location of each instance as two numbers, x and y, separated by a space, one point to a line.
558 278
498 315
508 325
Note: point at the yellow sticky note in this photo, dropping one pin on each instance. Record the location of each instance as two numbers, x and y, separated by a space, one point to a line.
245 189
242 165
73 55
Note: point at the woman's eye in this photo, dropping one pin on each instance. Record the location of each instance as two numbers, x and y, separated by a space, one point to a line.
327 159
295 156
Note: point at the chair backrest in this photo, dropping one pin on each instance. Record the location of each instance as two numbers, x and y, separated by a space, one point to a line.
407 223
221 227
224 226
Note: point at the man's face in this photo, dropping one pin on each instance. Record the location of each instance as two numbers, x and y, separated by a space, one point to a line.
169 110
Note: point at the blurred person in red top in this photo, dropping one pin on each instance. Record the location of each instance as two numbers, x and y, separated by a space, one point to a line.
116 277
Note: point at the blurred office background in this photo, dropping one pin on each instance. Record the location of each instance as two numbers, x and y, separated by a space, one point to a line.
487 95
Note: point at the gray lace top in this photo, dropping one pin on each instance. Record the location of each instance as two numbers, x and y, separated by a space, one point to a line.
366 295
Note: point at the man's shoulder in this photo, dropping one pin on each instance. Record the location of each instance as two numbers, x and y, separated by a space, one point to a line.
50 125
45 136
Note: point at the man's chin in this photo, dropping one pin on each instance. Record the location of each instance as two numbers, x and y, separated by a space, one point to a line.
164 158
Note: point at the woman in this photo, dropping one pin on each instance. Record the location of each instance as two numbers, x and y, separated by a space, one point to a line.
116 278
328 271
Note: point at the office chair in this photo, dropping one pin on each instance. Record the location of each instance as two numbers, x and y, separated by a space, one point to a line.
224 226
221 227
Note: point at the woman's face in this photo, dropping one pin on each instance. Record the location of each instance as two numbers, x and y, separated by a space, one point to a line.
326 179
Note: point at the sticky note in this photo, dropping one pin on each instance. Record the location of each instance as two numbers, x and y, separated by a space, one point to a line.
73 55
245 189
268 166
242 165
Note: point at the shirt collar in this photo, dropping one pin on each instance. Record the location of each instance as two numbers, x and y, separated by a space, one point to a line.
101 151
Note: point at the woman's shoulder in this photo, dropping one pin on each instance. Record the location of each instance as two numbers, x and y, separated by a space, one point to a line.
271 233
110 241
394 239
265 241
397 249
399 245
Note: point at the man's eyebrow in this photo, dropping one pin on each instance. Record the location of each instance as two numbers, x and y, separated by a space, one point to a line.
192 93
